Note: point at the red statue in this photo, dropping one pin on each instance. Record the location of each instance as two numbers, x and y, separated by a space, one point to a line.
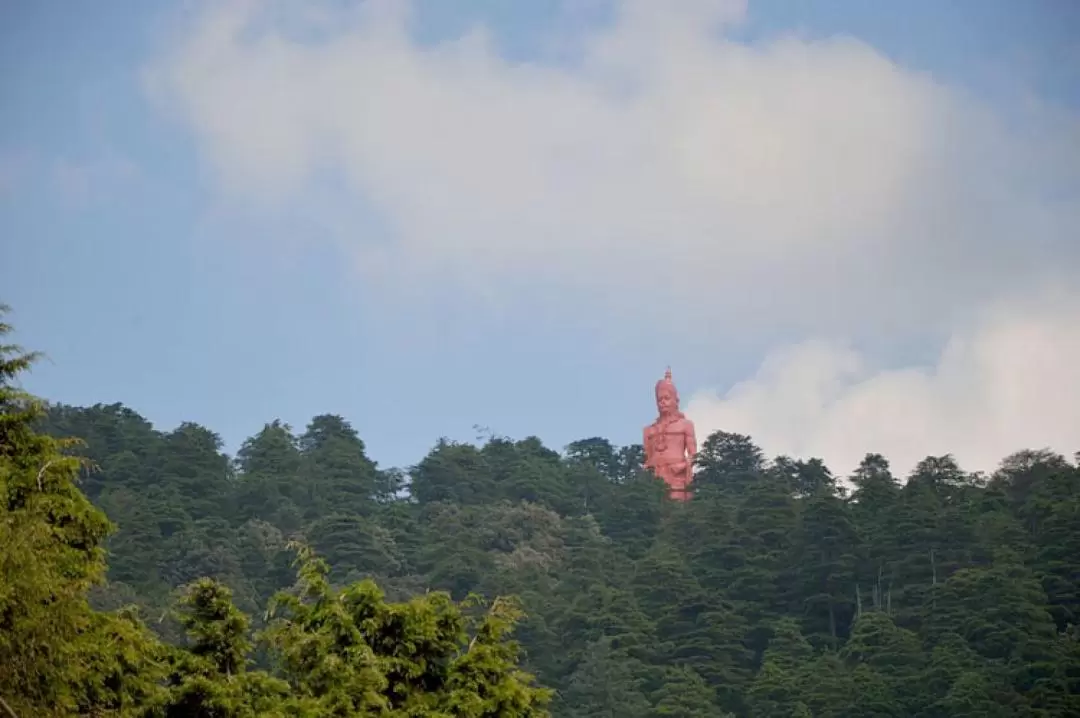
670 443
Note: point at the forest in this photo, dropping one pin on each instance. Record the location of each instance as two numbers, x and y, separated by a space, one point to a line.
147 573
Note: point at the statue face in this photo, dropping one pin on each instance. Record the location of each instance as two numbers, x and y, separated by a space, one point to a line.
666 402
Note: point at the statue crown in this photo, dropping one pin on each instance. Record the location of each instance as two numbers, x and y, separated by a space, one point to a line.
666 384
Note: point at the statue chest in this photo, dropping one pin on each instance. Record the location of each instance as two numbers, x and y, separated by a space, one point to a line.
667 436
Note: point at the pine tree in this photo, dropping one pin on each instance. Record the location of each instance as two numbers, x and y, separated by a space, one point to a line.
59 657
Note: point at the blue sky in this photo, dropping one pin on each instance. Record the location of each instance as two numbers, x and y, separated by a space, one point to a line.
166 255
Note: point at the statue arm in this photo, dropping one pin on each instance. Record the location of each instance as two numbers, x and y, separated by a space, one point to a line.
691 442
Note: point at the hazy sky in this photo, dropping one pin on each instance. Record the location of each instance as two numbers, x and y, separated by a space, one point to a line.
848 226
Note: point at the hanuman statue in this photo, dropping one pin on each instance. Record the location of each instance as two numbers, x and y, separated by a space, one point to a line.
670 443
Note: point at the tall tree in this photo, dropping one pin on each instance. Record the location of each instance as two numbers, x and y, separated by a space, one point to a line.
336 472
59 657
424 657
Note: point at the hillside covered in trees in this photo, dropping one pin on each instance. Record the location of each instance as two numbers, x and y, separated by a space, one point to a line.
779 590
329 650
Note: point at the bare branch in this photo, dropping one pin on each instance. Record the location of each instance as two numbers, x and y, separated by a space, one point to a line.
41 473
7 709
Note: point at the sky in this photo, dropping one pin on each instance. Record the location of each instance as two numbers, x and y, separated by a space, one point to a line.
848 227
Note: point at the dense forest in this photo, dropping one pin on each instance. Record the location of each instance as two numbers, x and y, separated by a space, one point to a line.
779 590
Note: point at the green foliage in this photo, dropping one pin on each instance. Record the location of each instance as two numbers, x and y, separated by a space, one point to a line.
332 652
780 590
209 677
349 652
58 656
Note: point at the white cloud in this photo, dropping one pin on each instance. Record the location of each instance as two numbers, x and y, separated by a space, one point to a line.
1008 381
701 186
792 185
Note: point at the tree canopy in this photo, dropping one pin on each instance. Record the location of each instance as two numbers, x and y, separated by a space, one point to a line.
326 650
147 573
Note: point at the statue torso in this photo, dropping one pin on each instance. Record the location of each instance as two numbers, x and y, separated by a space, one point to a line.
670 443
666 440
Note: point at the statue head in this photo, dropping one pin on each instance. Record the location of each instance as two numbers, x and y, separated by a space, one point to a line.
667 396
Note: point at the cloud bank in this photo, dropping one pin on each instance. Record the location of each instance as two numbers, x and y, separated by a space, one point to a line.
744 193
793 184
1006 381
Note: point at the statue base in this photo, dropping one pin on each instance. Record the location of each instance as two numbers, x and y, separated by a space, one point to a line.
679 489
